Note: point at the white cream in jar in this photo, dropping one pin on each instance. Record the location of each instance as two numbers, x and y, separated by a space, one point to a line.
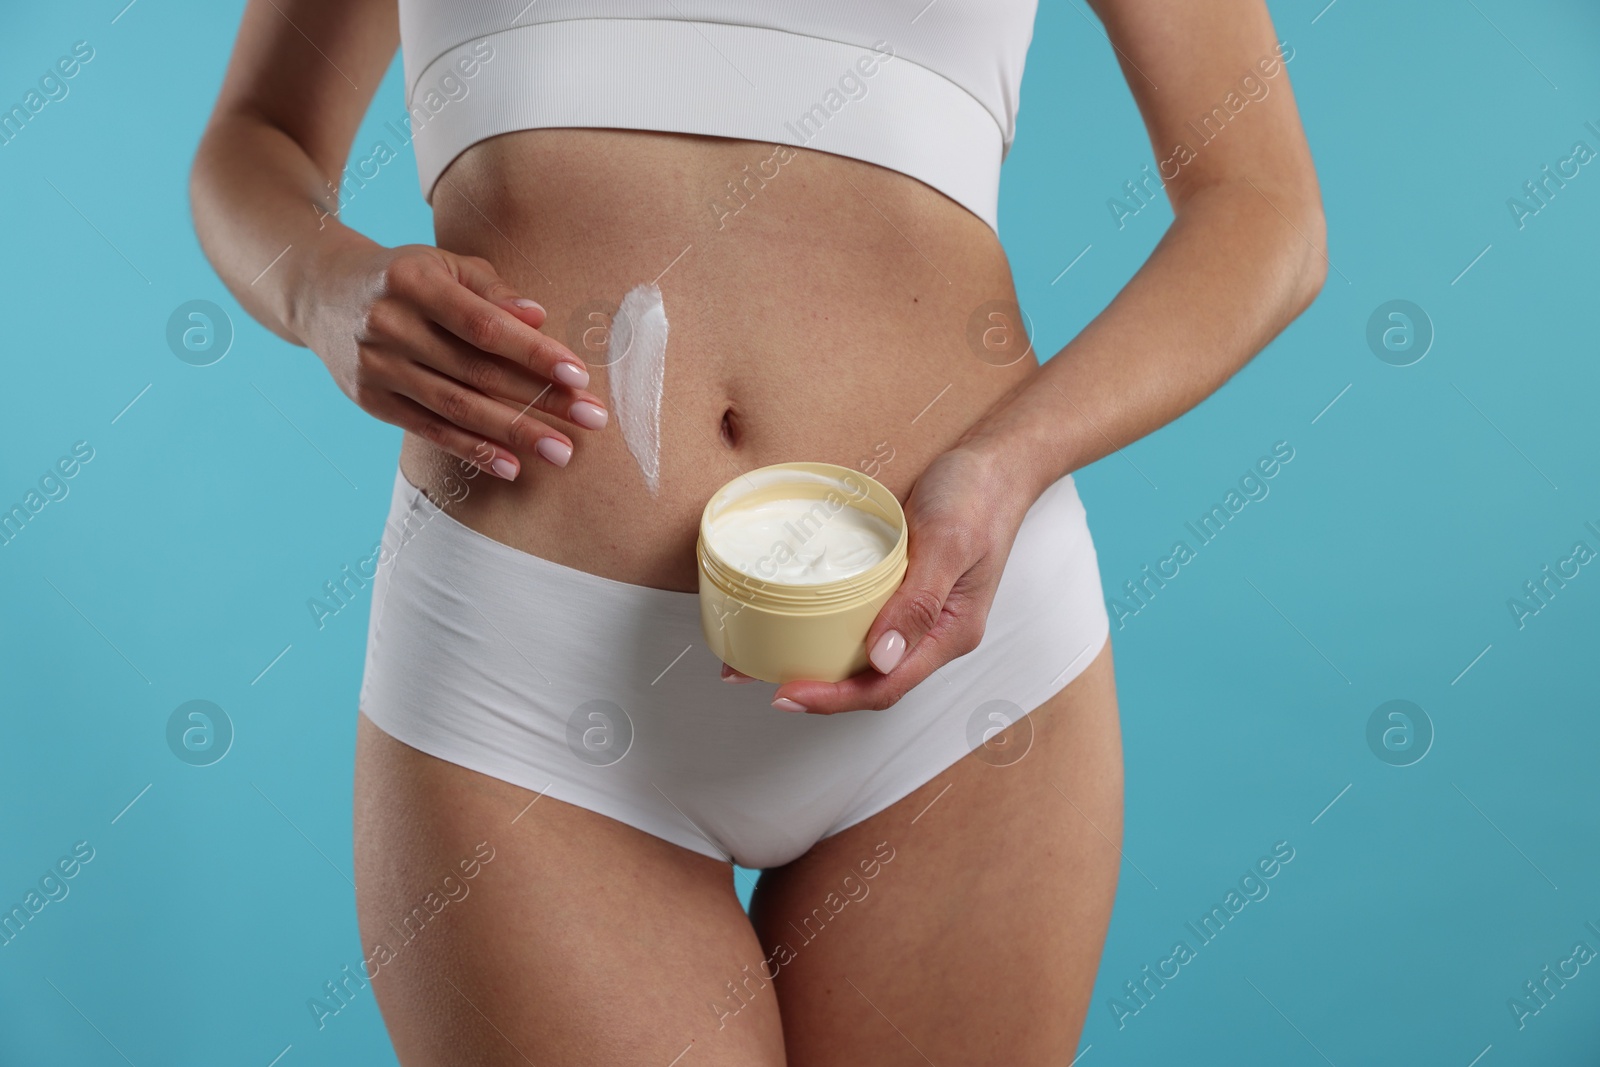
796 560
799 541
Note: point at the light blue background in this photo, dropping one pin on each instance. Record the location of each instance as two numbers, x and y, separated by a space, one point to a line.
1379 567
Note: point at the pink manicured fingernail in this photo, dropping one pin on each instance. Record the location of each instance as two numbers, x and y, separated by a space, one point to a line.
504 468
588 414
735 678
785 704
889 650
524 302
557 452
571 374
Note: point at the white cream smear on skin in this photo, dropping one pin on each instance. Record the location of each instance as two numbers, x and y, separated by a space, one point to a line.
636 358
800 541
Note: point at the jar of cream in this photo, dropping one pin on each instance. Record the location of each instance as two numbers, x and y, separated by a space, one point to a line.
796 559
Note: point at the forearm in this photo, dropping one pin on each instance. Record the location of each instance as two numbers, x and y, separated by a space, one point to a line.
264 213
1230 273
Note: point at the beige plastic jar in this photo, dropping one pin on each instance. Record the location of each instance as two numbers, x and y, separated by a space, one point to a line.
778 631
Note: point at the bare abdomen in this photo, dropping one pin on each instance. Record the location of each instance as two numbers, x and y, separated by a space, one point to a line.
820 308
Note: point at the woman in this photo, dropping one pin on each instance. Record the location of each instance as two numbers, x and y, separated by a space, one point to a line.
810 190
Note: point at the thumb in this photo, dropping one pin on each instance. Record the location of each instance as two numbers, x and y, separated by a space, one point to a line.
479 275
935 563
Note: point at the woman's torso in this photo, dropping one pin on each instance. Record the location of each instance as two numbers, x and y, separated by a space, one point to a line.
838 312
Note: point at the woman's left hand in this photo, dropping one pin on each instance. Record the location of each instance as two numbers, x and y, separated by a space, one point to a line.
963 515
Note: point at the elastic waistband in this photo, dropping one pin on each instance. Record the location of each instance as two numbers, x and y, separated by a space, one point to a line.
419 531
745 82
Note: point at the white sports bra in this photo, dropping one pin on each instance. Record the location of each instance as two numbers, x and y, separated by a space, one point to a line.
928 89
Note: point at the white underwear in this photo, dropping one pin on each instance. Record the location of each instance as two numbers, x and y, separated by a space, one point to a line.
603 694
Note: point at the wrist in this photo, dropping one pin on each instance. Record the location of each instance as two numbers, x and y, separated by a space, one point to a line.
309 277
1021 464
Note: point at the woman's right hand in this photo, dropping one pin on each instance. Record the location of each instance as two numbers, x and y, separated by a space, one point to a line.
439 345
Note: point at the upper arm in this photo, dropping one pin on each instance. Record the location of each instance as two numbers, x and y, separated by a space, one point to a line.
1212 83
310 68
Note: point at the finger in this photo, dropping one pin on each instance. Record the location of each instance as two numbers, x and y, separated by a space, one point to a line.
486 325
733 676
448 401
490 456
495 376
479 275
937 557
869 690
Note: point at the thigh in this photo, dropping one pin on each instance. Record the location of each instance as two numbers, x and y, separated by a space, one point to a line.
521 929
964 923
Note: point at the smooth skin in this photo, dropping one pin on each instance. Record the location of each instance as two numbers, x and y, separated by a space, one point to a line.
585 941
